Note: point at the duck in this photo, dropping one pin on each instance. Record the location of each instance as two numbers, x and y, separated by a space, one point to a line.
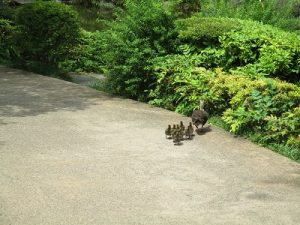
200 116
180 131
188 134
181 126
191 128
168 132
173 130
189 131
177 138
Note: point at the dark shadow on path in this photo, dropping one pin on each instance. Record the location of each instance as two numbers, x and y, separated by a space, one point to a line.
25 94
203 130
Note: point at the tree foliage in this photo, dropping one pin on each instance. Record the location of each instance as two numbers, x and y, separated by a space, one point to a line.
6 40
143 31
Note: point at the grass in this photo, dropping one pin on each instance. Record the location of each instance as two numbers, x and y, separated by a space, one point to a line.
99 86
217 121
292 153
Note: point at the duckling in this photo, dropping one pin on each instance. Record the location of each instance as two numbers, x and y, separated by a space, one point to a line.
181 126
180 131
181 134
173 130
176 138
200 116
168 132
191 128
189 131
188 134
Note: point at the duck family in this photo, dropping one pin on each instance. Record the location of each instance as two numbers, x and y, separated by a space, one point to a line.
178 132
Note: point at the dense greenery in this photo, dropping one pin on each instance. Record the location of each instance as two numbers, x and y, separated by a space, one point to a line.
248 47
99 3
47 33
89 18
144 32
86 56
6 11
6 32
275 12
185 8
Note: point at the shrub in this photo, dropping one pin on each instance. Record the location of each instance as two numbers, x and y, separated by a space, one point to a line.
251 48
180 83
269 107
6 11
87 56
6 47
48 32
262 50
251 101
143 32
205 31
274 12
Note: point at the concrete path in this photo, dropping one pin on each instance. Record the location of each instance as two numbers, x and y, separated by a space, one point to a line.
70 155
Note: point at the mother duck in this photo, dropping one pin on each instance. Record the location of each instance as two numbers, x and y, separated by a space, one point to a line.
200 116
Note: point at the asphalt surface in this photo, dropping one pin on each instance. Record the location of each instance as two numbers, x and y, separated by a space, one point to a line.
71 155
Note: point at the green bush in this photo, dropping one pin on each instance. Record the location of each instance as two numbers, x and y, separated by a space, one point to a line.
87 56
144 31
6 11
249 47
48 32
205 31
274 12
6 43
266 106
262 50
181 83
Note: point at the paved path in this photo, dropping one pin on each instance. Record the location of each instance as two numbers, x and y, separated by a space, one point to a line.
70 155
